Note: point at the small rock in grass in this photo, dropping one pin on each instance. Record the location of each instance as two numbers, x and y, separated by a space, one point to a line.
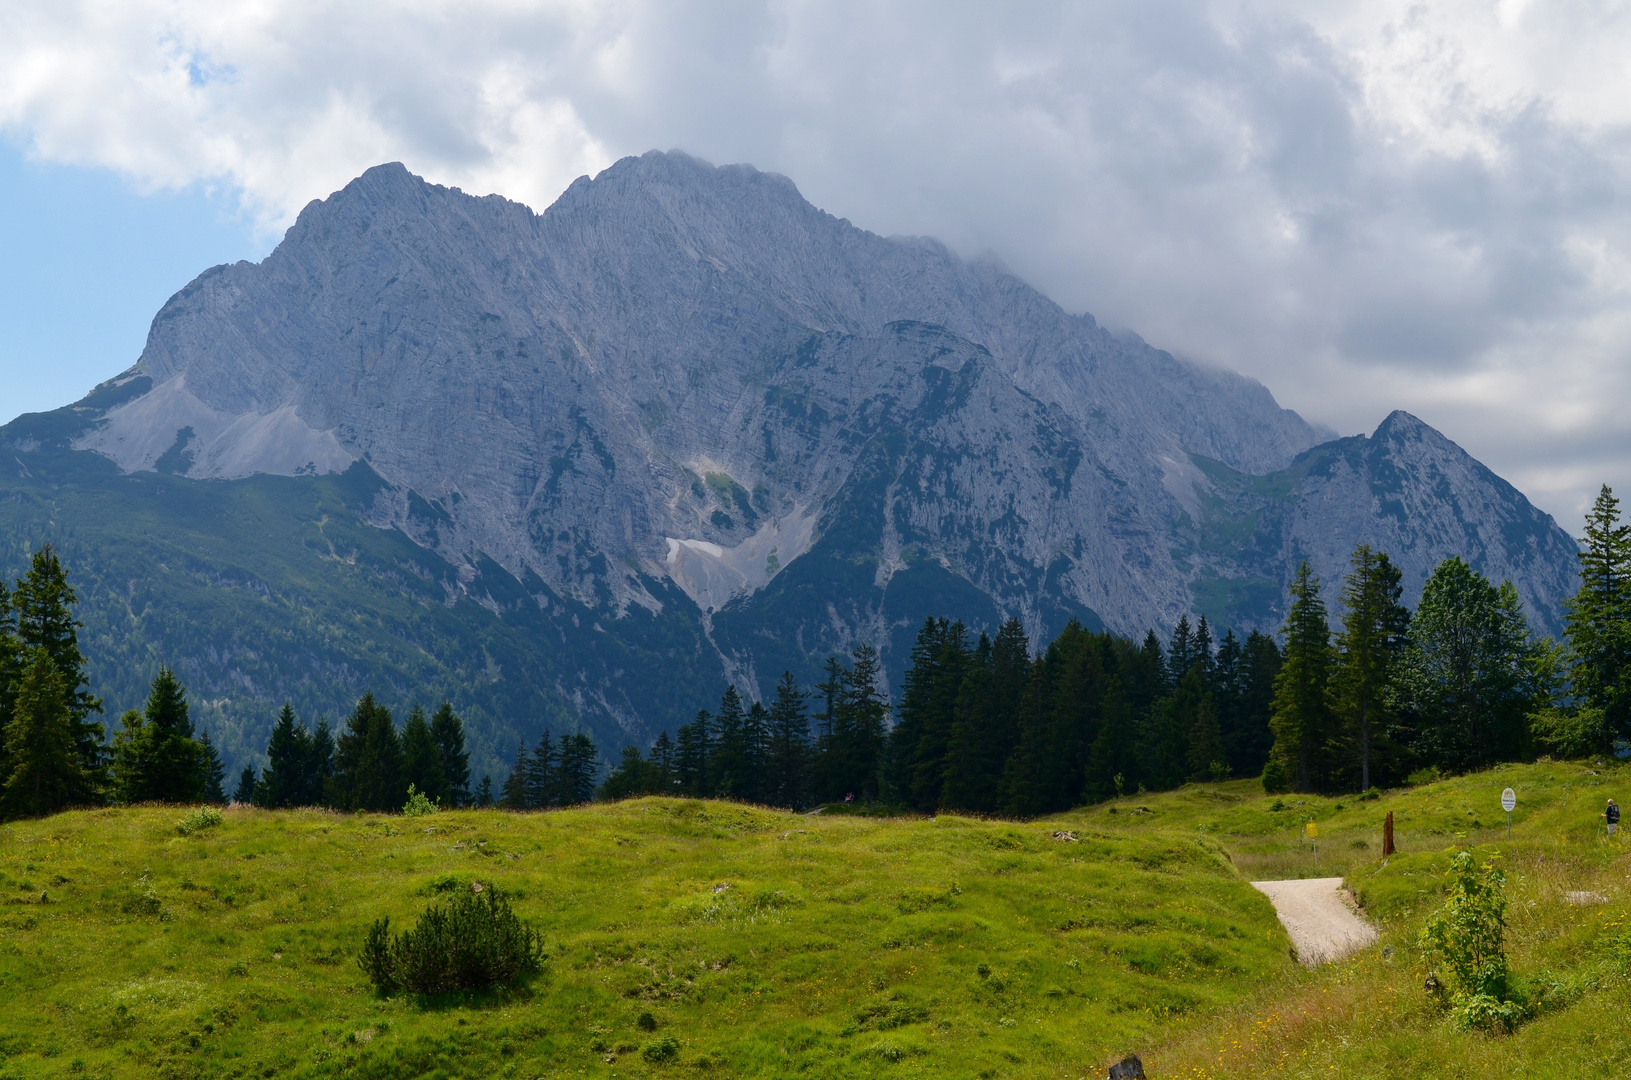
1128 1068
1066 835
1585 898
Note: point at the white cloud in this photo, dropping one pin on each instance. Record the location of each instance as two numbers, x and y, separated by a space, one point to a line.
1366 205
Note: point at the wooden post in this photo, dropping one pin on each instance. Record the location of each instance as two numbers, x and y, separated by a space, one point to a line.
1387 835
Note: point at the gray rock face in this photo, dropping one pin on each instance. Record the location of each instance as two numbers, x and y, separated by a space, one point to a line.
690 373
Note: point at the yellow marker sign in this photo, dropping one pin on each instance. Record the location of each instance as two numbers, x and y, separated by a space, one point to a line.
1313 831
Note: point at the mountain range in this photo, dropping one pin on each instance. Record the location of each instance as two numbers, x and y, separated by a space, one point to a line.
577 469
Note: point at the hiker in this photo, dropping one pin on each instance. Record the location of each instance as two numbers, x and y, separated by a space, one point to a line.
1612 816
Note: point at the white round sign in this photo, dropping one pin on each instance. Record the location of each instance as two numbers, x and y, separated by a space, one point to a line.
1509 799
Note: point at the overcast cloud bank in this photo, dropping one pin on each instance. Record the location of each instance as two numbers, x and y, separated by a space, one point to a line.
1366 206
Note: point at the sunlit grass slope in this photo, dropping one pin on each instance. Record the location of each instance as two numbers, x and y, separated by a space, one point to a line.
764 943
1570 895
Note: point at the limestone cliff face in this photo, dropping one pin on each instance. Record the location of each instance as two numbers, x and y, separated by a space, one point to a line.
689 374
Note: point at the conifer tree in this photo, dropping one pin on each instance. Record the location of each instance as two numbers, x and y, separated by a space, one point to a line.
693 748
11 663
422 759
156 758
1022 790
631 777
864 724
1368 649
756 747
484 793
728 767
788 758
215 773
830 692
448 731
368 760
320 767
516 795
284 782
41 609
1468 678
1302 717
44 765
662 765
245 793
1248 737
541 779
1599 618
1110 764
575 770
1206 756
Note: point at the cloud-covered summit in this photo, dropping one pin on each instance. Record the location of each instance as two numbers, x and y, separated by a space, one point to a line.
1362 204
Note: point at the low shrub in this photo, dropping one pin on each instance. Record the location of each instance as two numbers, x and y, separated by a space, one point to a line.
1467 940
473 942
418 805
662 1051
205 817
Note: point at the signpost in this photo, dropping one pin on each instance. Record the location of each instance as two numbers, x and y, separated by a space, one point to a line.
1314 835
1509 800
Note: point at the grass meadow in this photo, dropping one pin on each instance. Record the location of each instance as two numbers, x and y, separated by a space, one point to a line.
699 938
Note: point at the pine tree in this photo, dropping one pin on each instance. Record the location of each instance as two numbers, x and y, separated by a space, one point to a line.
422 759
368 760
693 748
756 747
864 723
631 777
215 773
44 765
916 764
284 781
728 766
1368 649
245 793
156 758
484 793
575 770
542 786
319 767
516 795
41 609
662 765
1599 618
1110 762
788 759
1206 753
448 731
1302 717
1468 675
1249 737
1022 788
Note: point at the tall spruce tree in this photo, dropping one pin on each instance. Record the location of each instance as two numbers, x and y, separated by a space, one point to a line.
1469 677
787 759
41 610
319 767
756 743
448 730
368 760
828 782
215 772
575 770
692 750
156 758
662 765
422 759
516 794
244 793
864 725
1599 619
630 777
284 782
44 764
1374 626
728 767
1302 720
484 792
541 778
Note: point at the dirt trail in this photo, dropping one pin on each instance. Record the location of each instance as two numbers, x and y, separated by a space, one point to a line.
1317 915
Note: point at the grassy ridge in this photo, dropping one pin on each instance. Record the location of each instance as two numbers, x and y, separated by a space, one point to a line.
771 944
764 943
1368 1016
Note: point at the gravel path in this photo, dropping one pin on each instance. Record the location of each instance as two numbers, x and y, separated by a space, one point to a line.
1318 915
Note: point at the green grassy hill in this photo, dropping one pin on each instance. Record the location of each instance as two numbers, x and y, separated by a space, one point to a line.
773 944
